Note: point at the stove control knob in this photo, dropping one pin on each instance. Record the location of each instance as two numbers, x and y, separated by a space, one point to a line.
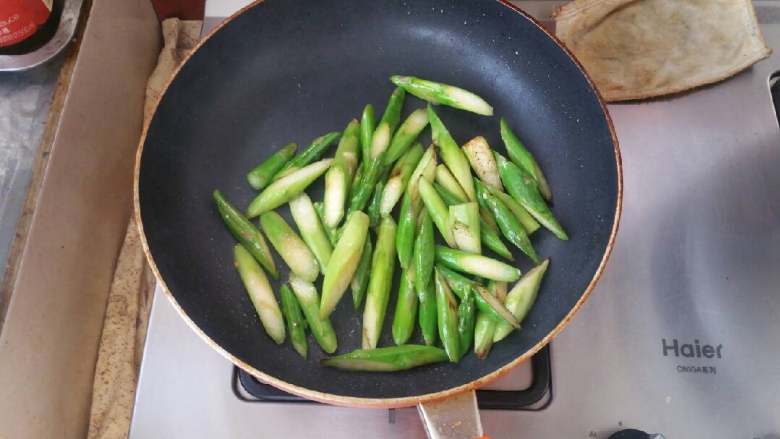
635 434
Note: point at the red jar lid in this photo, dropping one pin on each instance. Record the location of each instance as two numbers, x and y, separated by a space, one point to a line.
19 19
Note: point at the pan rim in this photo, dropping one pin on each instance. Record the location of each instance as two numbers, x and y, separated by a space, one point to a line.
395 402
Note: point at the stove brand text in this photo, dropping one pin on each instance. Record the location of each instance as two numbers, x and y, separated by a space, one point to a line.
690 350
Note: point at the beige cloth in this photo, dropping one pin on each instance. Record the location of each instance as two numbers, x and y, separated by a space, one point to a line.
635 49
127 311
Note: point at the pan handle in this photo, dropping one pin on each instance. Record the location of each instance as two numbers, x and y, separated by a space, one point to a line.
452 418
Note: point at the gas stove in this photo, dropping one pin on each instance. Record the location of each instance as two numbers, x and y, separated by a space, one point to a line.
679 338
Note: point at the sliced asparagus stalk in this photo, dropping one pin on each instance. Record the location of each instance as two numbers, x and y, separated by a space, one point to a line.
404 238
439 93
399 177
260 293
522 297
526 219
467 314
344 261
290 246
484 328
447 318
437 209
262 174
427 312
295 322
312 153
447 181
477 265
451 154
380 140
507 222
286 188
405 308
311 229
367 125
392 114
482 161
426 168
523 158
462 285
382 265
406 135
464 222
389 359
423 253
373 207
359 283
339 176
329 231
320 328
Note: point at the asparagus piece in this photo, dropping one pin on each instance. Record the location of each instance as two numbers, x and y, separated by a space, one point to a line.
294 318
437 209
344 261
406 135
427 312
260 293
312 153
329 231
466 316
404 238
484 328
523 188
464 223
389 359
360 280
526 220
290 246
522 297
523 158
367 125
445 178
483 163
392 114
426 168
379 142
451 154
286 188
507 222
399 177
312 231
373 168
477 265
439 93
462 285
246 233
262 174
320 328
423 252
405 308
382 265
374 206
339 176
447 318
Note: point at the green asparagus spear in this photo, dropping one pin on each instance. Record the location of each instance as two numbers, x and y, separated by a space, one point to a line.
523 188
522 297
445 178
523 158
447 318
427 312
451 154
399 177
367 125
360 280
379 142
437 209
465 225
374 206
405 308
478 265
484 328
339 176
483 163
320 328
389 359
262 174
329 231
392 114
373 168
344 261
382 265
423 252
290 246
295 323
286 188
311 229
528 222
461 285
260 293
312 153
507 222
438 93
246 233
467 311
426 168
404 238
406 135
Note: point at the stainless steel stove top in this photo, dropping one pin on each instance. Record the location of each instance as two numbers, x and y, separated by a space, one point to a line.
681 336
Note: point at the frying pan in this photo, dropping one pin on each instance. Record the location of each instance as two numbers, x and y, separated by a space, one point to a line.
282 71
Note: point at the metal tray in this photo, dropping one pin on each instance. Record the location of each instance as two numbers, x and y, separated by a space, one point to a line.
62 36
